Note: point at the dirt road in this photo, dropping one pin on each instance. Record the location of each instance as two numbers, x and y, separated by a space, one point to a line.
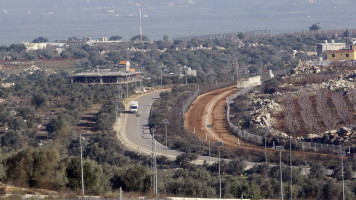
210 109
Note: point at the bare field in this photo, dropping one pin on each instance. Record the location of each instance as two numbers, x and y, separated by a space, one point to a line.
50 65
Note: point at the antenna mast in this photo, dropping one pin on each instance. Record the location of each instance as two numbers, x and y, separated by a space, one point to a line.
139 2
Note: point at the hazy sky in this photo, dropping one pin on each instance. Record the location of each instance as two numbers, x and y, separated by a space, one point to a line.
24 20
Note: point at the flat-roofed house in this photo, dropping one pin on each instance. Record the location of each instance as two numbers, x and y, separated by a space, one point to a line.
322 47
344 54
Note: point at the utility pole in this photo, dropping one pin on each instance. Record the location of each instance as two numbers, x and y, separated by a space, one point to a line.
236 65
342 154
212 78
156 186
120 91
280 149
81 161
161 75
140 84
209 126
127 87
165 121
291 170
154 166
212 71
116 107
121 95
218 145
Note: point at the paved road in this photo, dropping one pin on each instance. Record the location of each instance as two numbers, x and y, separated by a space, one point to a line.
135 131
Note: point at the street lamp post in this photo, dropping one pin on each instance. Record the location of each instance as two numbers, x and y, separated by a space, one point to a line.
280 149
209 126
165 121
218 145
342 154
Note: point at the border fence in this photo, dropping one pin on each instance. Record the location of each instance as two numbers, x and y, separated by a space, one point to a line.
258 139
263 33
254 33
274 141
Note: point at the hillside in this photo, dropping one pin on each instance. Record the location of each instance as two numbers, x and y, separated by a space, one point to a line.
312 103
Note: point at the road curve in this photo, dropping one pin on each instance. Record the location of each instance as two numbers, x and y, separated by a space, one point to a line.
133 130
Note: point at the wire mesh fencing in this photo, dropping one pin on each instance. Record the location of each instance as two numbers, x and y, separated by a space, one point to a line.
275 141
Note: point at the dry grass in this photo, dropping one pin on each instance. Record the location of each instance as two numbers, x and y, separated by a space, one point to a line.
8 189
303 131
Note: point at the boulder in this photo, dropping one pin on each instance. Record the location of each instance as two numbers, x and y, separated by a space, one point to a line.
312 136
317 70
344 131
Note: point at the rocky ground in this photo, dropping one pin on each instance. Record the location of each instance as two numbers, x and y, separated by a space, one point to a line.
266 108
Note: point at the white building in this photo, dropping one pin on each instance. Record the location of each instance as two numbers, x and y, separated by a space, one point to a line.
188 71
322 47
34 46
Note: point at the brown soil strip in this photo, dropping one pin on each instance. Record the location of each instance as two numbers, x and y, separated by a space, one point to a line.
198 115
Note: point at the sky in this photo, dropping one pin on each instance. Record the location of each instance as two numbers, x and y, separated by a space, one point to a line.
24 20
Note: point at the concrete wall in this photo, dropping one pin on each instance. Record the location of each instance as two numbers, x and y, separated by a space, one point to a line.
252 81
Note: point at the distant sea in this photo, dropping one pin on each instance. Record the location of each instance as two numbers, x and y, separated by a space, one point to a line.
57 20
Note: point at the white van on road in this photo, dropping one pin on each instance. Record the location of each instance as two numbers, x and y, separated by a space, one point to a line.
134 106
